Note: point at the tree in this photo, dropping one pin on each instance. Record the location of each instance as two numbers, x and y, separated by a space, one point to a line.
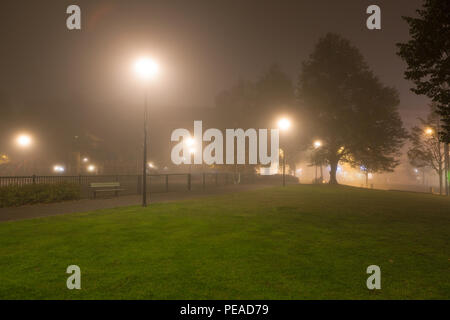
426 150
257 104
348 109
427 56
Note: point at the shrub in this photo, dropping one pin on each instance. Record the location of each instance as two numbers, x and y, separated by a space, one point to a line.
13 196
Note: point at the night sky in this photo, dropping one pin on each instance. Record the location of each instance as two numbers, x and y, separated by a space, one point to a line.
84 79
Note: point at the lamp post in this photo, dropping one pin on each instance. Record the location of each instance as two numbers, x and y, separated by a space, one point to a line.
24 141
146 69
191 153
318 144
284 125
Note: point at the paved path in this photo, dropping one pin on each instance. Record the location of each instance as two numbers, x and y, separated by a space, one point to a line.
84 205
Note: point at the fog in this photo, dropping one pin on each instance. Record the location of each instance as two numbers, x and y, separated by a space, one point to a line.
78 88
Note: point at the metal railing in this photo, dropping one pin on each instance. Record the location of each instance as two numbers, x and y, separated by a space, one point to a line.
156 183
132 184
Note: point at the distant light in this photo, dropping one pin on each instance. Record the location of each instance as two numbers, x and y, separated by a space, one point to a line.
85 160
429 131
363 168
284 124
91 168
416 170
59 169
190 142
317 144
146 68
24 140
151 165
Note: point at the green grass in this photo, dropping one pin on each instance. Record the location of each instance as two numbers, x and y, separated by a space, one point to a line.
300 242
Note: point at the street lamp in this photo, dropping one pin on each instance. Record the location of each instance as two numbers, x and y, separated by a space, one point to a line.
429 131
24 140
58 169
91 168
284 124
146 69
317 144
191 153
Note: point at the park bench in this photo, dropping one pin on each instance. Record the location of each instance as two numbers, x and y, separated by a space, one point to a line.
105 187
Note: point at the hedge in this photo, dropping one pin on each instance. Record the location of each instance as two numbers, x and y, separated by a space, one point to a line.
14 196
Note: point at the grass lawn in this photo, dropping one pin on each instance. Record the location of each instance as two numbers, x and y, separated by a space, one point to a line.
298 242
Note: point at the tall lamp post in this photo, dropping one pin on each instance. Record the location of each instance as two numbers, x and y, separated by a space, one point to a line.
318 144
146 69
24 141
284 125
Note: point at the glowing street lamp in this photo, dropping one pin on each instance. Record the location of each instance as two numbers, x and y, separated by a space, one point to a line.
85 160
190 142
429 131
146 69
284 124
91 168
58 169
24 140
317 144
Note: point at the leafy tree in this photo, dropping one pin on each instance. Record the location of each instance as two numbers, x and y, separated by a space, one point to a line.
427 56
426 150
257 104
250 104
348 109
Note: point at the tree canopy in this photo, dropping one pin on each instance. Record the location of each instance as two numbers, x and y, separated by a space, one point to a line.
348 108
427 56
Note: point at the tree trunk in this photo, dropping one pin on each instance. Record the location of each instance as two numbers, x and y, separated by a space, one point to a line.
440 178
333 169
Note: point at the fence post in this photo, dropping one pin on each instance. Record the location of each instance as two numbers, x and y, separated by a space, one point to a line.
204 180
34 179
167 183
189 181
79 179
